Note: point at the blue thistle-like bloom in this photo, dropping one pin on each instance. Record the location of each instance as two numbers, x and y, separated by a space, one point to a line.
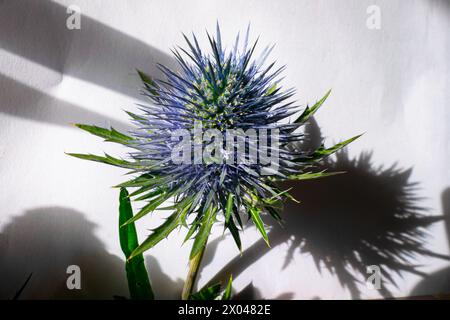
219 90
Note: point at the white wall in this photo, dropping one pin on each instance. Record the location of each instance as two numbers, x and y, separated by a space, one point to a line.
390 83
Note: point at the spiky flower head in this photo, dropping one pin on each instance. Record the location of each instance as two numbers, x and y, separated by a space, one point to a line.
216 92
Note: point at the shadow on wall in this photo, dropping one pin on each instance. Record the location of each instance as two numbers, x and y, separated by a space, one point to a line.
23 101
368 216
45 242
163 286
249 292
36 31
438 282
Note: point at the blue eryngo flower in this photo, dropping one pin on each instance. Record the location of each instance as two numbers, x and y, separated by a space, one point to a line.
186 142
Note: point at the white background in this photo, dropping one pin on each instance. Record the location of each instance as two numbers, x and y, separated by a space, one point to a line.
390 83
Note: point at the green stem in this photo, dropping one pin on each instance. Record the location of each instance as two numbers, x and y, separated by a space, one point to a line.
194 265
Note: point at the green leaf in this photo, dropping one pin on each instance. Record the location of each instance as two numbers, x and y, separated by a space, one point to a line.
309 112
277 197
107 159
151 194
194 227
254 213
143 180
274 213
229 207
151 206
128 236
147 183
208 293
137 276
227 294
234 232
148 82
271 90
203 233
322 152
111 135
162 231
213 292
314 175
134 116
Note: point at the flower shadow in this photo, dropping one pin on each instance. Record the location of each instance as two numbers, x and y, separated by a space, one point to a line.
367 216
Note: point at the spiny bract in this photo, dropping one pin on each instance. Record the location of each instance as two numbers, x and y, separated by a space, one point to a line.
221 90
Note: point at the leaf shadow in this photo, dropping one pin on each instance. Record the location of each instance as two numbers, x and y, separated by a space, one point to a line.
163 286
45 241
97 54
437 282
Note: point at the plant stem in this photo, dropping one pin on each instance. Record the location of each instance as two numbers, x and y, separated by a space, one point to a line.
194 265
